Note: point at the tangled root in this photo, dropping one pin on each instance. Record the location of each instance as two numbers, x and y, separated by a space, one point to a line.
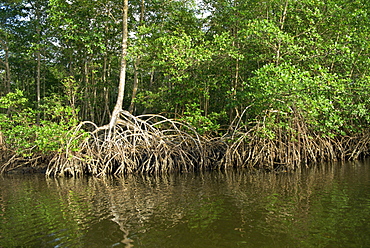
144 144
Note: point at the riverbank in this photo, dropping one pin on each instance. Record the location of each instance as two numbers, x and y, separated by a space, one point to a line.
153 144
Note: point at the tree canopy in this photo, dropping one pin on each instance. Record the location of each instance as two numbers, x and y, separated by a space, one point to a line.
204 62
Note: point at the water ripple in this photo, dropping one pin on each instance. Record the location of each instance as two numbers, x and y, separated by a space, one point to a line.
327 206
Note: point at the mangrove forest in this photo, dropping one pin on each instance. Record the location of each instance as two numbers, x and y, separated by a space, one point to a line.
145 86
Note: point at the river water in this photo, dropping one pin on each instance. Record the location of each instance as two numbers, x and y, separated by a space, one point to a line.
324 206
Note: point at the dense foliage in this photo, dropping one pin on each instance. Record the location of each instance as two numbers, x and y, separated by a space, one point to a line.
277 65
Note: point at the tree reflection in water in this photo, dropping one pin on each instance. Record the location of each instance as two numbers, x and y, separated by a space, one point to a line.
325 206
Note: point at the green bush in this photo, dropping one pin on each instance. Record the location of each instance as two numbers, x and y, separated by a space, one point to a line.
329 105
196 118
24 135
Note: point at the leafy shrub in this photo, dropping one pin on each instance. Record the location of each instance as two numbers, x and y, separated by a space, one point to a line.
330 105
22 133
203 124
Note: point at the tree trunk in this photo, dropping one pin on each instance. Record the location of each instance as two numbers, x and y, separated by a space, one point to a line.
122 76
282 22
6 65
136 63
37 8
135 87
38 80
7 71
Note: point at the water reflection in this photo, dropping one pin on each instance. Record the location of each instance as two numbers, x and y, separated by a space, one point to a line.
326 206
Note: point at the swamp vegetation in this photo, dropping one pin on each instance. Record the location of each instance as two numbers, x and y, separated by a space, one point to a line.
183 85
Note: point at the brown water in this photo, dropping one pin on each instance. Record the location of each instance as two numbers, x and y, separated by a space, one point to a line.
328 206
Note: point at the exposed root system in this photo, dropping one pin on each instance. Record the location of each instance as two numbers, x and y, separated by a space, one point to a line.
144 144
153 144
290 147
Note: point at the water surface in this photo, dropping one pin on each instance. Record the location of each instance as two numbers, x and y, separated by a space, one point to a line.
325 206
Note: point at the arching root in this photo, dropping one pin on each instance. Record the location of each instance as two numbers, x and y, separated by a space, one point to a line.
145 144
